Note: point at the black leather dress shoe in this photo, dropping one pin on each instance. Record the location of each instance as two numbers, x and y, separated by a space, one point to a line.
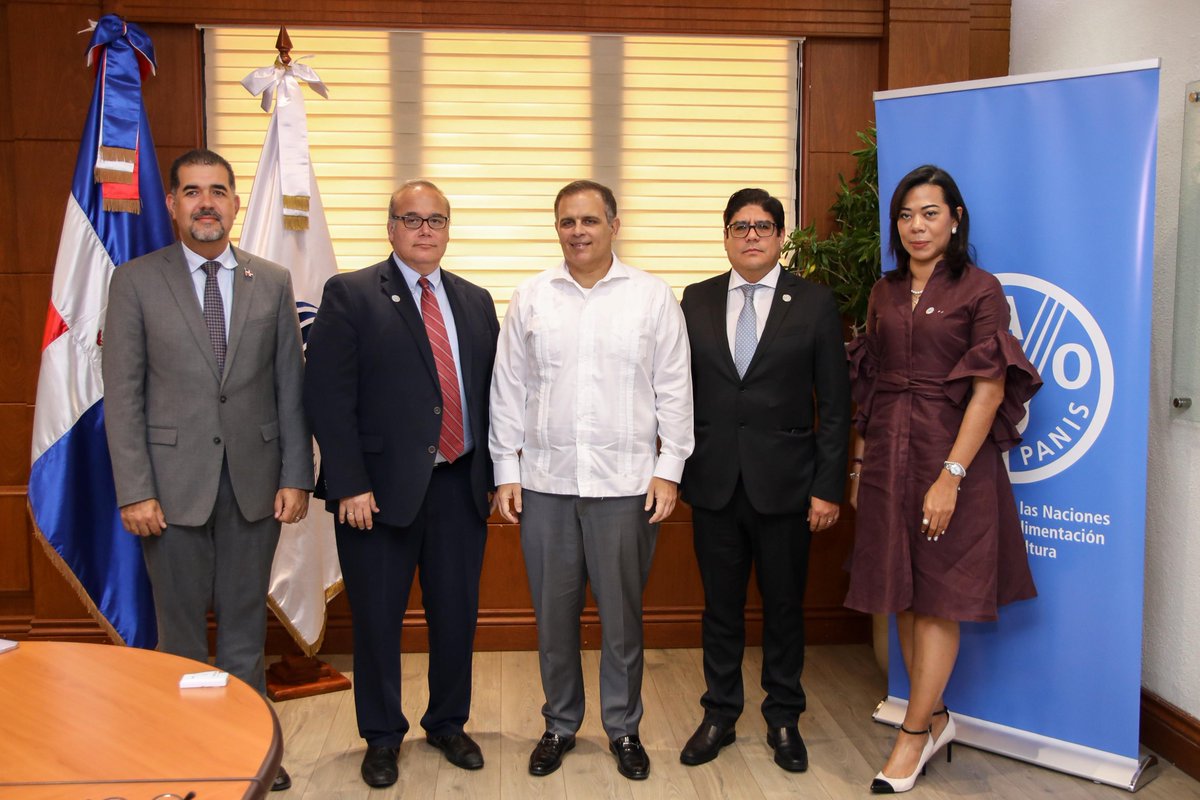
548 754
282 781
706 743
632 760
790 752
460 750
379 767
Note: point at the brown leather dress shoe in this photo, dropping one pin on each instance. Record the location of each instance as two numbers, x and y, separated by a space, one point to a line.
548 754
379 766
632 760
460 750
790 752
706 743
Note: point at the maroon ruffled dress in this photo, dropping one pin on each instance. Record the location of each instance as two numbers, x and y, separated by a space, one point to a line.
912 372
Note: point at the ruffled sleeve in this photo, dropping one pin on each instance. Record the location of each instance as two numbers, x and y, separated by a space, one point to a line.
997 355
863 355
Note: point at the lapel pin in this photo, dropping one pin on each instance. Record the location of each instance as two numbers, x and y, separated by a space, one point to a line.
929 310
395 298
246 271
787 298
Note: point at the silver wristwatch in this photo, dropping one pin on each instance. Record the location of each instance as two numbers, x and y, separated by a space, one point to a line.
956 469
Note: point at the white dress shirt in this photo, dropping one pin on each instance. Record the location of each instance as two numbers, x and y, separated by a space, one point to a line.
763 296
228 262
584 382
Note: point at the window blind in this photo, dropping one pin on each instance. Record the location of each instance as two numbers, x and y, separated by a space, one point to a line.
501 121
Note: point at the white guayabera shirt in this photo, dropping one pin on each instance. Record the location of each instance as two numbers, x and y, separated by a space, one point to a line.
585 382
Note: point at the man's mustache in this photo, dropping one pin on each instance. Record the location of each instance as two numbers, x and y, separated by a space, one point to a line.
206 212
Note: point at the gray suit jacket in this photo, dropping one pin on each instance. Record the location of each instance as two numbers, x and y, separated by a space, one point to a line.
171 418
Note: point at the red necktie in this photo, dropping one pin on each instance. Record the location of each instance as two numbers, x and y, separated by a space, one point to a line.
451 440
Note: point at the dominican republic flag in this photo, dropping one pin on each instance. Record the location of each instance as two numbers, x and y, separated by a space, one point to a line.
116 212
285 223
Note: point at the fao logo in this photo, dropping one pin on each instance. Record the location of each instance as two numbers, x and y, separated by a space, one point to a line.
1065 343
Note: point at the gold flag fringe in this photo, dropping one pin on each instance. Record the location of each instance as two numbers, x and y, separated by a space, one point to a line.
308 650
118 154
116 204
293 222
103 175
72 581
295 202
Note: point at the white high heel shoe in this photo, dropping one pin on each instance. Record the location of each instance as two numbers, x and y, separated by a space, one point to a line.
946 737
885 785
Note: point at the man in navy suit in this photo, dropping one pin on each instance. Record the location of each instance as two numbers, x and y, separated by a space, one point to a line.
396 389
772 428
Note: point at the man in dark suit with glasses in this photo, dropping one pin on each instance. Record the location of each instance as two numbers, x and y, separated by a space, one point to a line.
772 427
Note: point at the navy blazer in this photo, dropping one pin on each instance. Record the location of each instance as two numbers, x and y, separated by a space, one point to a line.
785 426
372 395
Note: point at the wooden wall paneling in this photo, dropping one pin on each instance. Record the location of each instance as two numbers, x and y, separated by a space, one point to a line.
14 543
51 85
7 225
23 299
862 18
839 77
174 96
929 42
16 579
16 422
58 613
990 27
42 181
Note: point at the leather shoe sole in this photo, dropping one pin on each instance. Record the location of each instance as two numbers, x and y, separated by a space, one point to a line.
282 781
547 756
379 767
706 743
459 749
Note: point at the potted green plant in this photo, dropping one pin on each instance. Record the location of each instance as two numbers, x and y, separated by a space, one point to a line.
847 259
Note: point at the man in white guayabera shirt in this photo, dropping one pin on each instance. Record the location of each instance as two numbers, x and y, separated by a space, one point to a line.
591 422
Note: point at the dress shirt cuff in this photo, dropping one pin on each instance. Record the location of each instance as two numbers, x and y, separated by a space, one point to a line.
669 468
507 471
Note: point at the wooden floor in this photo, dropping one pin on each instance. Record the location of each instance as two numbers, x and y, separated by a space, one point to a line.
323 750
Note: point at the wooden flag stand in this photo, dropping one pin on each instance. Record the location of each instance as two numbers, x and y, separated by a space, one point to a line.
296 676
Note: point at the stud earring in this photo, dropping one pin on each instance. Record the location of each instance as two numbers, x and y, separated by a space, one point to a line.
954 230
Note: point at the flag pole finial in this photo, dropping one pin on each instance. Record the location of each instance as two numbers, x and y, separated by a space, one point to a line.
283 43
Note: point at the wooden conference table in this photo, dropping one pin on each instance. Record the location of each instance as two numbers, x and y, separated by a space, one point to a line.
99 721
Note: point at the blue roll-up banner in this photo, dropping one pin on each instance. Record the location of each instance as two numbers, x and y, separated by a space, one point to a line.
1057 171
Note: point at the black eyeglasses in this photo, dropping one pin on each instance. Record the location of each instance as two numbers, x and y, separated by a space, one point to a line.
740 230
436 222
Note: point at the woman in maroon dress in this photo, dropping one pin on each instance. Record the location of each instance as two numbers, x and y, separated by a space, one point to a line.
940 385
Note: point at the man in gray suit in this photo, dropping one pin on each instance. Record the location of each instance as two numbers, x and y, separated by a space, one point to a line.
210 450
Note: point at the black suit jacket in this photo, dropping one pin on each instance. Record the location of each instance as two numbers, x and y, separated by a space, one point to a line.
372 395
765 426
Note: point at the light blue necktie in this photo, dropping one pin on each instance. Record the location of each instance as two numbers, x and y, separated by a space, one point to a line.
745 335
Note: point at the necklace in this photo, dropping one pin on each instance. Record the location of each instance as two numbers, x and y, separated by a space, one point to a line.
916 293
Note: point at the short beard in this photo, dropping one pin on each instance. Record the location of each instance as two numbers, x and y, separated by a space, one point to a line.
210 235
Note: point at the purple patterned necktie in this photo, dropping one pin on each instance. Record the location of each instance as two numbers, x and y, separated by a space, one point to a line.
214 312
